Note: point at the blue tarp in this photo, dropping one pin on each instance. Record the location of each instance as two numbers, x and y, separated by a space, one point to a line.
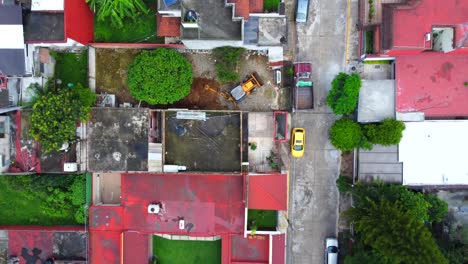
169 2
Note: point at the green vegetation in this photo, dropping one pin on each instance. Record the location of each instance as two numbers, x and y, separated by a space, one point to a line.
253 145
117 11
186 251
346 134
142 30
42 200
465 84
387 133
378 62
56 112
160 76
271 6
371 10
454 246
344 94
261 219
344 184
71 67
226 63
369 42
389 224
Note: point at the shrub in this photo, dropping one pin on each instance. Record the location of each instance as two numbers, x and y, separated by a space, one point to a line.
160 76
343 184
387 133
344 94
346 134
117 10
56 113
226 60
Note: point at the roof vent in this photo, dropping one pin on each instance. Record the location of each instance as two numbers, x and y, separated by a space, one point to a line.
154 208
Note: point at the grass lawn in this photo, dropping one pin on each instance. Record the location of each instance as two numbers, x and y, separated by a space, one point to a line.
71 67
186 251
264 219
41 199
142 30
271 5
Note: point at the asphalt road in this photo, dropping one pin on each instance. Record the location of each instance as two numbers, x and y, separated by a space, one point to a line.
313 212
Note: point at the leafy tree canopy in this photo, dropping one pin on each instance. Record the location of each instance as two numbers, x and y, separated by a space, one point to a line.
346 134
56 113
160 76
394 233
117 10
387 133
344 94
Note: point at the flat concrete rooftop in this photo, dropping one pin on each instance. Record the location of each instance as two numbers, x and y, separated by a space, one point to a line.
214 21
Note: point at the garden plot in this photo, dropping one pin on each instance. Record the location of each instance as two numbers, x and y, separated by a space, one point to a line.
207 92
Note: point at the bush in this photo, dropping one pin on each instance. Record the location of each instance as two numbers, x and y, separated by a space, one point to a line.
344 94
226 60
56 113
346 134
160 76
344 184
387 133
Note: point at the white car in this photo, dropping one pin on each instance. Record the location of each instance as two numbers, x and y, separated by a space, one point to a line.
331 250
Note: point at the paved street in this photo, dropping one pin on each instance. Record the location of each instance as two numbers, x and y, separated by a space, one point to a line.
313 212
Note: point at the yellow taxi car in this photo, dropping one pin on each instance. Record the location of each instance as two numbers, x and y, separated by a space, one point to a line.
297 142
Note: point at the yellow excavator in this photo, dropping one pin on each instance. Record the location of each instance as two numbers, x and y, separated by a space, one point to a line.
246 87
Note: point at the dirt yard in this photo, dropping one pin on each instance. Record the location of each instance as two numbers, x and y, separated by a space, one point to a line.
207 93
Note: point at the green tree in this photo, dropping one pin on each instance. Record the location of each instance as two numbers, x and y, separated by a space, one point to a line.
160 76
438 208
394 233
416 204
387 133
56 113
344 94
346 134
116 11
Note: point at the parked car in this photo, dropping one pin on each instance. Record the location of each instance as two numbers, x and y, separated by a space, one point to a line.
302 11
297 142
331 250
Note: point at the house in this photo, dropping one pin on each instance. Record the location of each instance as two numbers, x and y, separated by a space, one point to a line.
422 46
406 27
179 207
214 23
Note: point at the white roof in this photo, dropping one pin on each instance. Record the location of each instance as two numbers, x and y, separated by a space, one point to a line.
47 5
12 37
434 153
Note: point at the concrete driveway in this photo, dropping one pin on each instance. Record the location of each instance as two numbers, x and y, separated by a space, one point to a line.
313 212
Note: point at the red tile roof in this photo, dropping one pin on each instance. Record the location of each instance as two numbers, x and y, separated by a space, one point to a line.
250 249
433 83
278 249
168 26
135 247
411 25
268 192
79 21
256 6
